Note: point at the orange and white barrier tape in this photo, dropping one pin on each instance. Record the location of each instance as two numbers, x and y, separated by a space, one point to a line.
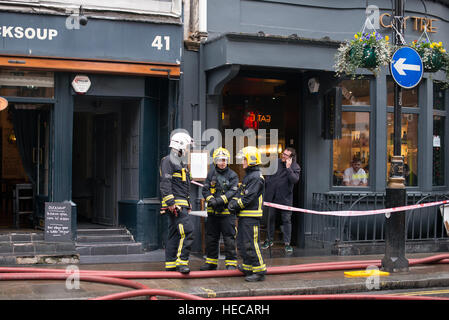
351 213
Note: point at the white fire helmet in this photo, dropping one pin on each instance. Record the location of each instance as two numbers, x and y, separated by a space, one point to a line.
180 141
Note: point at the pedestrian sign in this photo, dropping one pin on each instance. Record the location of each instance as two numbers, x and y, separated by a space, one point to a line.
406 67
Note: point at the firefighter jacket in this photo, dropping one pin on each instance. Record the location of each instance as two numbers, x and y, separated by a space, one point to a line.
174 182
249 197
279 186
221 184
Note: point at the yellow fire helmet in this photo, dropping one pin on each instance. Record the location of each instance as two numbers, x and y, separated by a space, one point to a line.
251 154
221 153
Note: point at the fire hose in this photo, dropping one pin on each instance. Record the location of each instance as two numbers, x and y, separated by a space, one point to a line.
121 278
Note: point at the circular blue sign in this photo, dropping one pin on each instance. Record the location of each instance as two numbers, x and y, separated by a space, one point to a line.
406 67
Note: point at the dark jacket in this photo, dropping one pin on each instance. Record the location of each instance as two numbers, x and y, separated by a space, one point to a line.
279 186
250 194
220 184
174 183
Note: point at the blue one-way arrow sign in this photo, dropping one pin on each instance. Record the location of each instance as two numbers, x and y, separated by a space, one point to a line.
406 67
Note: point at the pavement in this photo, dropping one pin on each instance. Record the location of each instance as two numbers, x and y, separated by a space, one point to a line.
306 283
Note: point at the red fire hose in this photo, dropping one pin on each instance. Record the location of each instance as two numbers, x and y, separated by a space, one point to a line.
151 292
119 277
311 267
176 294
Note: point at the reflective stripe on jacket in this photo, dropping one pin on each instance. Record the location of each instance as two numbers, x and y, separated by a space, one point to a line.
174 183
250 195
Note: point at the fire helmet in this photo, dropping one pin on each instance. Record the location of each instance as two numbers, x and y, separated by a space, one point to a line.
251 154
180 141
221 153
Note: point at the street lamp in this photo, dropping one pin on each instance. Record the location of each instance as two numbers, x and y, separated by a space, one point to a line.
394 259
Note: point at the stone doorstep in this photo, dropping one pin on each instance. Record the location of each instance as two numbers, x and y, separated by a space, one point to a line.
99 232
35 247
21 237
124 238
109 248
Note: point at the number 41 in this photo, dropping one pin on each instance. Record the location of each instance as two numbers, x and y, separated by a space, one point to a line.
157 42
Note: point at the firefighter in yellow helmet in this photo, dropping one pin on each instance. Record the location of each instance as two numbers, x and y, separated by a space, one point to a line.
247 204
220 186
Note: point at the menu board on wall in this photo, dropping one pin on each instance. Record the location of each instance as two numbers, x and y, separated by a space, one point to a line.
58 221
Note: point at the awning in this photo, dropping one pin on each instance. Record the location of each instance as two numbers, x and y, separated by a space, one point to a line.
291 52
92 66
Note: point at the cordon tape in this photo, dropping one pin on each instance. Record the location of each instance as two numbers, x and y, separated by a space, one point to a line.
350 213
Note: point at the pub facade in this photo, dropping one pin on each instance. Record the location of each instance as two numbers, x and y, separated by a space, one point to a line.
269 64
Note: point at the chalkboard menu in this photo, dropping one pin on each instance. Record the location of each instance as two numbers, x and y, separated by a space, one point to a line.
58 216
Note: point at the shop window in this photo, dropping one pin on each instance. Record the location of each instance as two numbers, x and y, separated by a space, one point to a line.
351 152
409 146
355 92
409 96
439 120
32 84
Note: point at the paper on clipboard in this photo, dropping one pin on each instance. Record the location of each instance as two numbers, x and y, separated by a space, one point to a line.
198 165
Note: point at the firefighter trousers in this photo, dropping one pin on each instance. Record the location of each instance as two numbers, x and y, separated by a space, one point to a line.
179 240
217 225
248 245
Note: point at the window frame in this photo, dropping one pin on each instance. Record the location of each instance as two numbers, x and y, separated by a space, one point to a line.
371 110
407 110
442 113
163 8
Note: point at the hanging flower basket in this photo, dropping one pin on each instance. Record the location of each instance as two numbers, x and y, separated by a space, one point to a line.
432 54
368 58
367 50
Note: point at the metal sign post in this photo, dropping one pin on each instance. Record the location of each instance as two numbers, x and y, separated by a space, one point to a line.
404 71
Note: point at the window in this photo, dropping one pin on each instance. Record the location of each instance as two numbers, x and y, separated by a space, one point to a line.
351 152
439 119
409 146
20 83
409 97
409 132
162 7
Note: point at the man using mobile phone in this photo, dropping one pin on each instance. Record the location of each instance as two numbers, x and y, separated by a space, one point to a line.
279 189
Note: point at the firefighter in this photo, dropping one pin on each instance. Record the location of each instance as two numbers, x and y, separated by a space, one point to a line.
247 204
220 186
175 193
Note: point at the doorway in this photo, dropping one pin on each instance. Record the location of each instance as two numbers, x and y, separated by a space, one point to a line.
25 164
105 137
266 100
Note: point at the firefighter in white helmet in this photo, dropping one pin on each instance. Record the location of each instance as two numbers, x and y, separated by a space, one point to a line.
175 194
220 186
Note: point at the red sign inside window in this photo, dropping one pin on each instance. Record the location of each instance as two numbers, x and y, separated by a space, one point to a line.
252 120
